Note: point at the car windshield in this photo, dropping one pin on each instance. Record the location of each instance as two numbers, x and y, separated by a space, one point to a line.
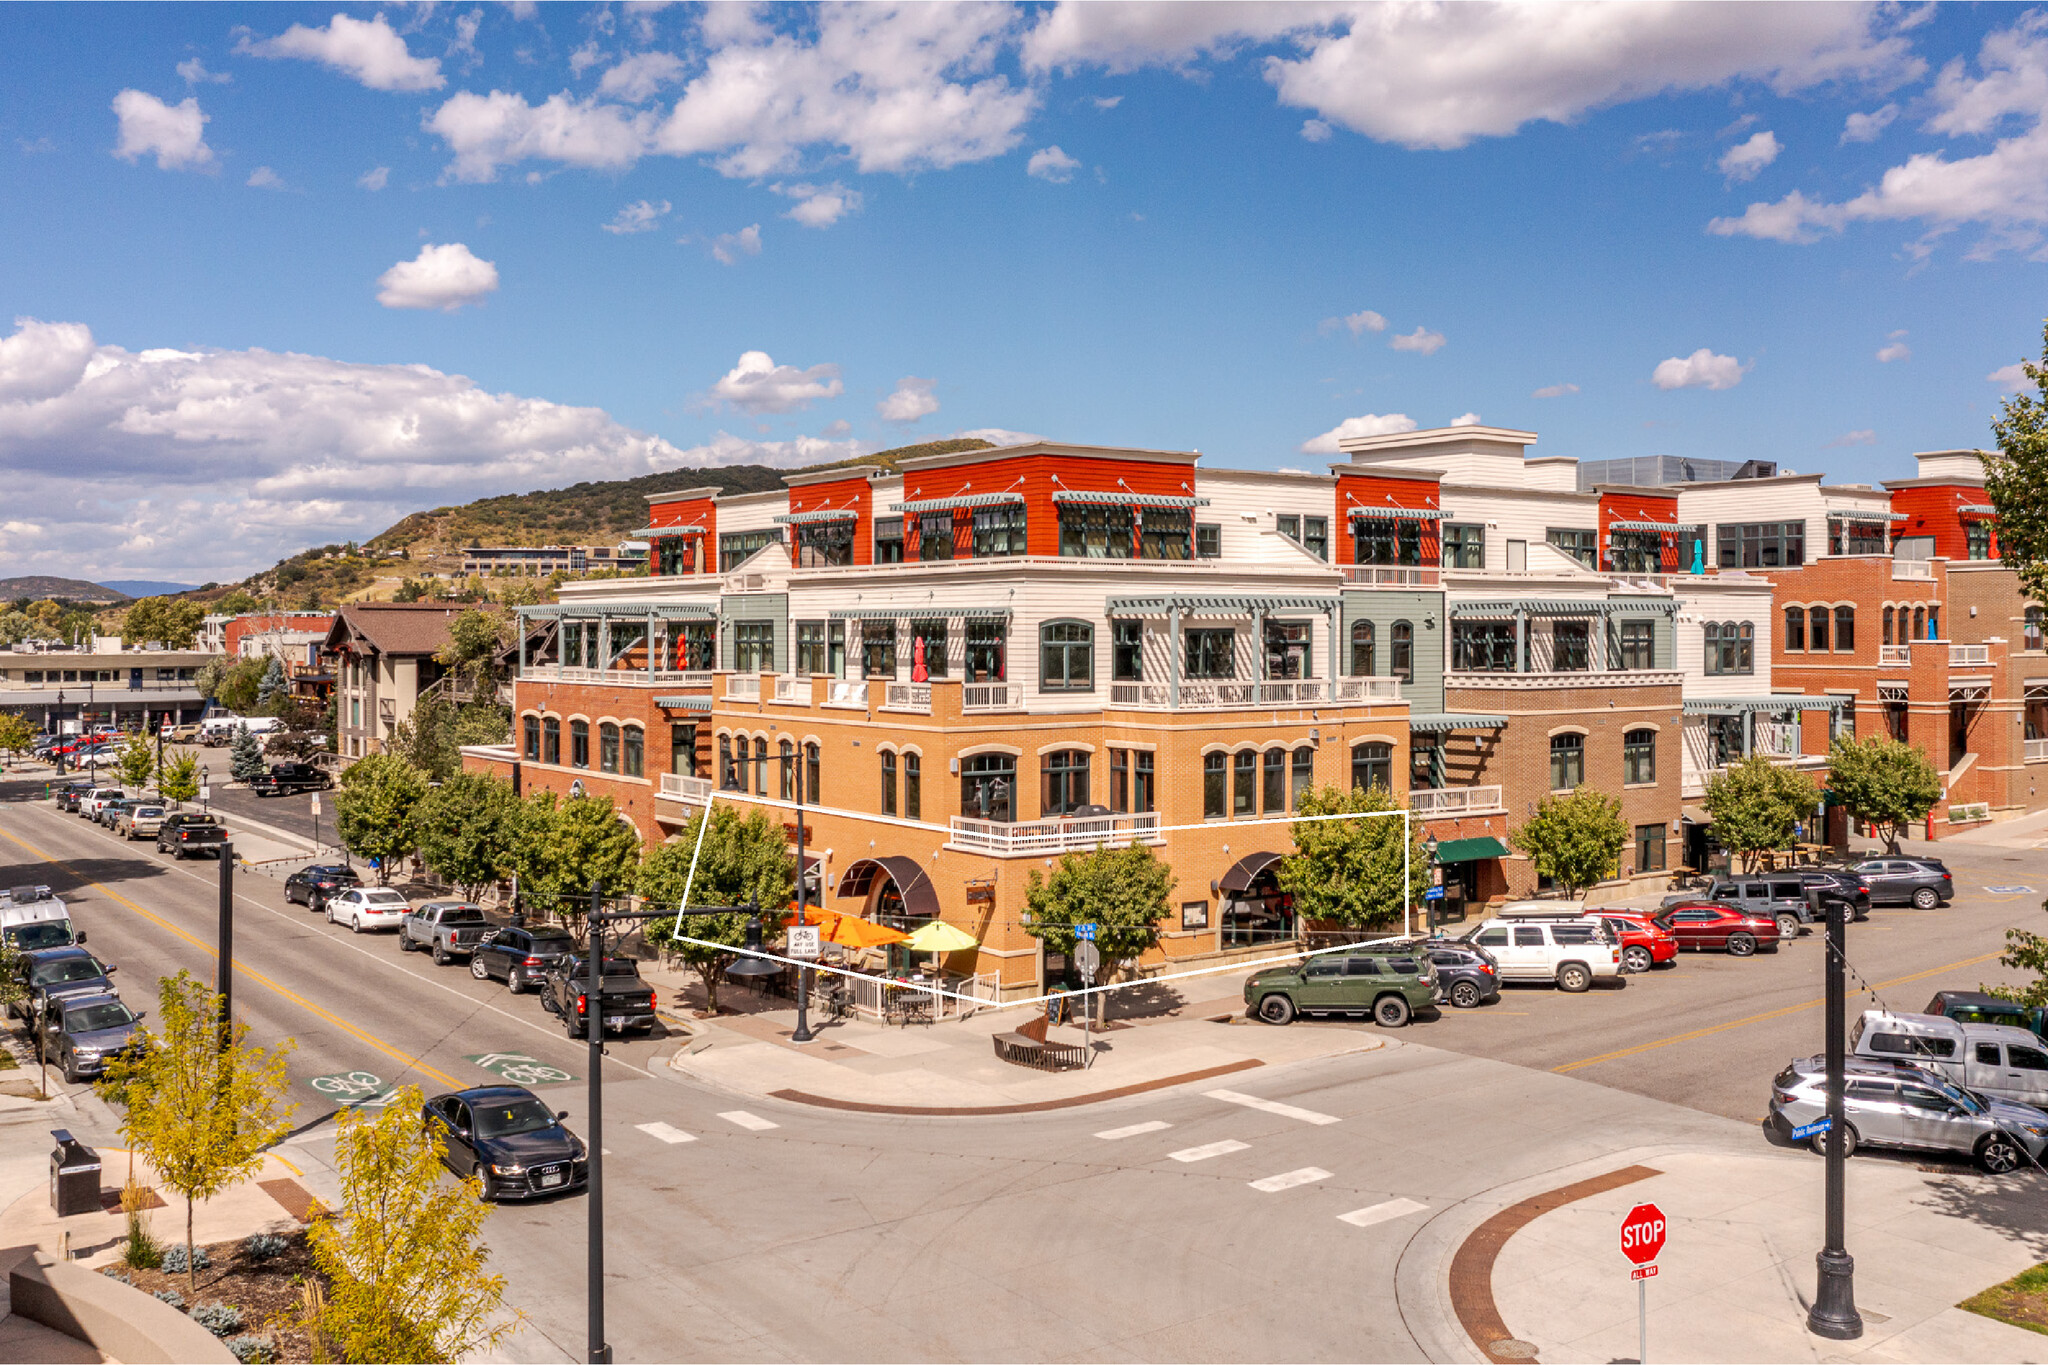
92 1018
66 969
48 934
508 1120
383 898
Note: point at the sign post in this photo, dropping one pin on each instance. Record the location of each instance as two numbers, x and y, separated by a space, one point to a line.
1087 961
1642 1237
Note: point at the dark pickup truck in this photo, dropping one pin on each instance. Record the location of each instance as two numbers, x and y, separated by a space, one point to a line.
186 835
285 779
626 1002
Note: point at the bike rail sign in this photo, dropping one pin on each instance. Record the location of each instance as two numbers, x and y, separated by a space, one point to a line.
516 1068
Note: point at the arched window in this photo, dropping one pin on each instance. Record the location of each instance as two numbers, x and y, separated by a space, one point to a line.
811 774
1066 657
1064 781
913 787
785 769
1888 614
1244 778
1303 779
1273 772
1215 796
1817 630
532 732
1372 765
1919 623
761 766
1934 623
1845 630
1363 649
1404 651
1795 628
633 751
551 740
728 771
2030 629
579 743
608 747
988 786
888 783
1639 756
1567 761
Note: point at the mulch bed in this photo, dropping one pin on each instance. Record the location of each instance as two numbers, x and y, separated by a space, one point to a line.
267 1292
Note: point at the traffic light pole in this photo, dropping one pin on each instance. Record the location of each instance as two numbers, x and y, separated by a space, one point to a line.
1834 1314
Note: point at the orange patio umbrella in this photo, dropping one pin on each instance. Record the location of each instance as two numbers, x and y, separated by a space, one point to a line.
848 931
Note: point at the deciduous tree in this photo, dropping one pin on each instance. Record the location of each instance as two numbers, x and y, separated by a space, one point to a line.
1575 839
1122 891
1755 806
138 762
1884 783
562 848
2017 478
201 1109
744 862
17 734
465 830
404 1254
376 807
179 781
1350 871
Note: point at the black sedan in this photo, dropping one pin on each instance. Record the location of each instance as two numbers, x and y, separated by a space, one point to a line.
311 886
509 1139
1843 886
69 795
1920 882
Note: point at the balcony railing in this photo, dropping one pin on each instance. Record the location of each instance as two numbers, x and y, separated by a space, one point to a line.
628 677
849 693
743 687
908 697
1454 800
676 787
1969 656
1912 570
991 697
1894 656
1380 576
1006 839
1216 696
792 689
1601 678
2037 751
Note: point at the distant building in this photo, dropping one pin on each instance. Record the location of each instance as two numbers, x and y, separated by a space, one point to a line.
68 690
1658 471
540 560
384 659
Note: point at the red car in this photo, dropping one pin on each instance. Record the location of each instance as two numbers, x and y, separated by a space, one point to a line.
1711 924
1644 942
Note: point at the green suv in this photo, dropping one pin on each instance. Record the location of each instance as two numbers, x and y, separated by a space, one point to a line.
1388 986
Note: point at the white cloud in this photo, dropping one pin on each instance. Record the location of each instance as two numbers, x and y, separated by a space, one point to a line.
1050 163
1470 419
1868 127
912 399
368 52
838 426
1864 437
1108 102
1700 370
728 247
1365 320
210 464
489 131
641 76
1315 130
174 134
1000 436
758 385
263 178
2010 378
1422 341
462 47
642 215
443 277
375 179
1371 424
585 57
819 206
1746 159
1897 349
194 72
1555 391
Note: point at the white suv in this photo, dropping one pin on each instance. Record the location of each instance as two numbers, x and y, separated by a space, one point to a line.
368 907
1551 941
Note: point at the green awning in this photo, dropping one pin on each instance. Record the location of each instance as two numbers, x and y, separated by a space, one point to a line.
1470 850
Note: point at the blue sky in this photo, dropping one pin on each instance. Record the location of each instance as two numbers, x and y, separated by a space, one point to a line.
281 274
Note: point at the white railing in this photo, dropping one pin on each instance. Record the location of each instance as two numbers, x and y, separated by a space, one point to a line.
1523 681
677 787
908 697
2037 751
991 697
1368 689
1379 576
630 677
851 693
1006 839
1969 813
1217 696
868 995
1912 571
792 689
1454 800
1894 656
1969 656
743 686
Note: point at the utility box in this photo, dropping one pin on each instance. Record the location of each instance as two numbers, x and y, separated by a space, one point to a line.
74 1176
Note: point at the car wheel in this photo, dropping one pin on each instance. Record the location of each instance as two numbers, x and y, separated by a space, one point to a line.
1465 995
1741 945
1276 1009
478 970
440 956
1820 1141
71 1075
515 981
1925 898
1636 958
1391 1011
1998 1154
355 924
404 943
1788 927
1574 977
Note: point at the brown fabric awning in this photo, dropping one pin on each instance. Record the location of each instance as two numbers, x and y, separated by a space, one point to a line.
1246 869
920 897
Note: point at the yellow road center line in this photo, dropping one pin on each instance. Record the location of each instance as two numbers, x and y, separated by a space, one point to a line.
411 1062
1713 1029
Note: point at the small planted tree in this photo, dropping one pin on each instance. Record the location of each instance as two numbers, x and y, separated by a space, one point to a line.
404 1253
1883 782
17 735
138 762
1755 806
1575 839
1350 872
375 810
200 1108
179 780
1122 891
465 830
744 862
245 756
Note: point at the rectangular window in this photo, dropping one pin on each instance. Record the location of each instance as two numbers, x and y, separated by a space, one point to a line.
1977 540
810 647
1845 630
1482 646
1287 650
1165 533
1386 540
824 544
1066 657
753 646
1855 537
1649 848
682 749
1127 651
986 649
608 748
699 646
1636 552
935 535
1760 544
888 540
532 732
913 787
1571 646
1795 629
1315 536
998 531
1211 654
1120 780
1141 782
878 649
932 635
1579 544
1094 530
1464 546
1817 630
1301 777
579 743
633 752
734 546
1638 641
835 648
785 771
1208 541
1639 757
1289 526
1244 778
1065 782
988 784
1273 772
551 741
888 783
1213 783
1567 761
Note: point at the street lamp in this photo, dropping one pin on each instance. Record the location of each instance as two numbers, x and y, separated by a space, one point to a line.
1429 852
58 749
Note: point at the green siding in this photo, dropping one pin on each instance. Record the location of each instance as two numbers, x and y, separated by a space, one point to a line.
755 606
1424 611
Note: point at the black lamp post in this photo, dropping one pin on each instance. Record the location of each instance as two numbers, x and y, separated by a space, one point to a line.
58 749
1429 851
1834 1314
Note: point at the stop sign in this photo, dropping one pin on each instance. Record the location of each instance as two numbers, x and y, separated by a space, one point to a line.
1642 1233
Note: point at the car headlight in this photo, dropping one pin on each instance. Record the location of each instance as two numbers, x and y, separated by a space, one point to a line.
577 1150
86 1054
514 1169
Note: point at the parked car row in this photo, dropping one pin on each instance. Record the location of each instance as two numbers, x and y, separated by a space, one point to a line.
182 834
68 1003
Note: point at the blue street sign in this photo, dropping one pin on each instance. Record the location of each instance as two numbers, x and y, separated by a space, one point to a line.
1433 893
1807 1130
1085 932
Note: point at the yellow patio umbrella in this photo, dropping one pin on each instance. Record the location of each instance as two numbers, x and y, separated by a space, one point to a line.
940 937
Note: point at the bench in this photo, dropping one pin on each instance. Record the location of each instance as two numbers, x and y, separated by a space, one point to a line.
1028 1047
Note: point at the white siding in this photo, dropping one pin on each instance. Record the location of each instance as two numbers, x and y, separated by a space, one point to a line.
1508 515
1723 598
1739 501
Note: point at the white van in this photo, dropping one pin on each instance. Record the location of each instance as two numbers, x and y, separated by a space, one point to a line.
1994 1059
34 917
217 730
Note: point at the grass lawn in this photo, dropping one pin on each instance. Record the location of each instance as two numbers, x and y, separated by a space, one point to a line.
2021 1300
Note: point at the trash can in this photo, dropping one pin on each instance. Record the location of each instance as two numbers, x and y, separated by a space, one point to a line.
74 1176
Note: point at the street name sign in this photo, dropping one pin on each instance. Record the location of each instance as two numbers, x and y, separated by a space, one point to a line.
1807 1130
1085 932
1433 893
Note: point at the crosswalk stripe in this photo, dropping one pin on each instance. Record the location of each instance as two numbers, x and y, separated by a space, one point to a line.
1112 1134
1285 1111
1203 1153
1307 1175
665 1132
753 1122
1380 1213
